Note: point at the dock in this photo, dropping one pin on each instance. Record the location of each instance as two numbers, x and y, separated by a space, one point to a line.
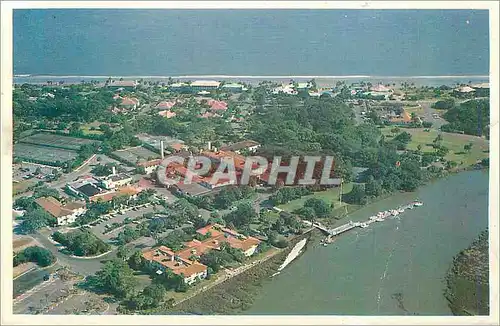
351 225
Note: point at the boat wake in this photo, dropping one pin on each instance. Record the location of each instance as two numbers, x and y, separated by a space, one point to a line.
292 255
386 269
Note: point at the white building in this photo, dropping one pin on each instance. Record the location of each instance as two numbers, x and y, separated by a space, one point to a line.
115 180
249 145
150 166
65 214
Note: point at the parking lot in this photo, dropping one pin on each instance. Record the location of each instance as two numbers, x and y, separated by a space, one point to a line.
24 171
100 228
41 296
81 302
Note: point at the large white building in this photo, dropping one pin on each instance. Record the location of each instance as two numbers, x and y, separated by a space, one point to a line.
115 180
65 214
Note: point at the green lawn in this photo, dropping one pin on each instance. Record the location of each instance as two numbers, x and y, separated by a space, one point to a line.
22 186
331 195
455 142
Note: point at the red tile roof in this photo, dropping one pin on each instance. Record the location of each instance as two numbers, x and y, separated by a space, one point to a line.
149 163
130 101
166 104
217 105
167 114
55 208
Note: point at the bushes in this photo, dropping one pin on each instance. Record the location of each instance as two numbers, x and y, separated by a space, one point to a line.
81 243
38 255
444 104
284 195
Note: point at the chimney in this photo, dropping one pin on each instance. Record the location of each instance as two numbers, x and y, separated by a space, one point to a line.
209 145
162 150
114 170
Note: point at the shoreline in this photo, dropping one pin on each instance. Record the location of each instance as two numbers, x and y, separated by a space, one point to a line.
251 76
321 80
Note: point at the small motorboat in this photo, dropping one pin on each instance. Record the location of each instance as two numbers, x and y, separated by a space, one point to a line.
418 203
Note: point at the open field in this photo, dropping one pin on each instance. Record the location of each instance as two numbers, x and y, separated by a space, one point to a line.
136 153
329 196
42 153
22 186
54 140
455 142
92 128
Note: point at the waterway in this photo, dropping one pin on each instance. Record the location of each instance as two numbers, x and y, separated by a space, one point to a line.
395 267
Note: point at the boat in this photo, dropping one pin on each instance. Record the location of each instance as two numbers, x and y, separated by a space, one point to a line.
418 203
324 244
363 225
275 274
401 210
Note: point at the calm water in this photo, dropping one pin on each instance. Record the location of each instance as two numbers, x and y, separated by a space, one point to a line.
361 271
251 42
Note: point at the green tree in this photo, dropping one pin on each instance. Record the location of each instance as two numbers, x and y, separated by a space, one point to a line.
320 207
307 213
468 147
373 187
123 252
116 278
357 195
36 220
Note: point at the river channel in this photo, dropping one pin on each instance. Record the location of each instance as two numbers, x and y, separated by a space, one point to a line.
395 267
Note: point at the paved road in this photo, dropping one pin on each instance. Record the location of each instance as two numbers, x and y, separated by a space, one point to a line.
428 112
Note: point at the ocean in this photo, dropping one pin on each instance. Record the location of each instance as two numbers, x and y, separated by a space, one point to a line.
102 42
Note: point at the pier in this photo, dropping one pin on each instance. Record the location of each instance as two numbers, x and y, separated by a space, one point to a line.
351 225
336 231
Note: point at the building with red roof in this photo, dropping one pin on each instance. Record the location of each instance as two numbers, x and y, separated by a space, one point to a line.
217 105
185 261
167 114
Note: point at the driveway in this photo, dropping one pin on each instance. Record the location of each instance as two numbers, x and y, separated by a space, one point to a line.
428 114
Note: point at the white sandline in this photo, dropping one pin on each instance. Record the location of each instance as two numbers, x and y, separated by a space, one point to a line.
251 76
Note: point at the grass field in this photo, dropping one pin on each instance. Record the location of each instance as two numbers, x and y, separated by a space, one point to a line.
22 186
417 109
331 195
455 142
88 131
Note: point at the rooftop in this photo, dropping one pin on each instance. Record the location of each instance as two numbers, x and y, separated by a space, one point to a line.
217 105
123 83
129 101
119 177
89 189
240 145
465 89
166 104
205 83
149 163
55 208
167 114
123 191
